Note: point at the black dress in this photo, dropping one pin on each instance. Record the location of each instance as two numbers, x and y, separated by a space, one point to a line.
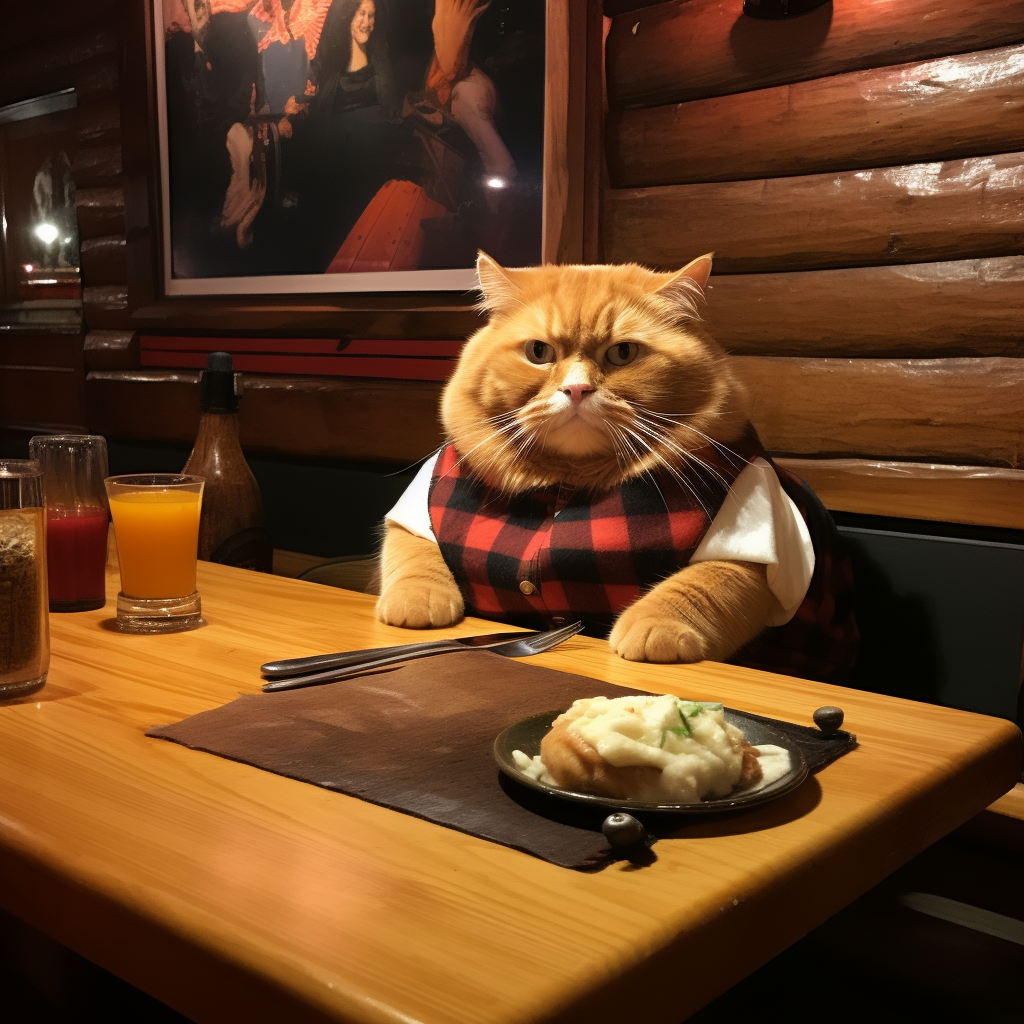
352 145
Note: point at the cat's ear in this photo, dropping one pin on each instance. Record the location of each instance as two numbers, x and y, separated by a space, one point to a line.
698 270
686 286
496 287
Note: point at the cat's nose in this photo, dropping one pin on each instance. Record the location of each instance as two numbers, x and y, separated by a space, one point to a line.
576 392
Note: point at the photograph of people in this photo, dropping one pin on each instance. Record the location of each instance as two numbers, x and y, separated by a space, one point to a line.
310 137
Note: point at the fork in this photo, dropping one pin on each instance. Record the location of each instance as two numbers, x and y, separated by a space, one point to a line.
342 659
529 644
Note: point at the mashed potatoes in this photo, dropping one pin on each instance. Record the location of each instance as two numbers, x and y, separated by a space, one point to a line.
650 748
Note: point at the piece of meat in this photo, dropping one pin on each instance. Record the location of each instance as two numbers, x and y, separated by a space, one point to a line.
751 771
576 765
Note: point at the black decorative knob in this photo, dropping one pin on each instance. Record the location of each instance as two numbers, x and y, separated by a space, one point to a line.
828 719
624 832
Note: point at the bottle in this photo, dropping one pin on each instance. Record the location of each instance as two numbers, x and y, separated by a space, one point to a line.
231 529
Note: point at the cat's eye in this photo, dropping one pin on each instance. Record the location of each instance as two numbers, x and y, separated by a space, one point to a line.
539 352
622 353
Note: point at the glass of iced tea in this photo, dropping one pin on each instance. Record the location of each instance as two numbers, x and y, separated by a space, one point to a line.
156 526
74 467
24 624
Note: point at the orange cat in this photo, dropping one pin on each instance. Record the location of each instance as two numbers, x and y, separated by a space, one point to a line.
601 465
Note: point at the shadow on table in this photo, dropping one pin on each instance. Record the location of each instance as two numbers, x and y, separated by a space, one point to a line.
49 692
787 808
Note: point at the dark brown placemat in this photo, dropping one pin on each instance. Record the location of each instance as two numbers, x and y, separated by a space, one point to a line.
418 738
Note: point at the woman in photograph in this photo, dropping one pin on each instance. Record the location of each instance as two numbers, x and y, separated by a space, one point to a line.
351 69
353 141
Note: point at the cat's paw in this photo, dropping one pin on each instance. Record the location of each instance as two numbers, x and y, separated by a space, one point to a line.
641 635
420 605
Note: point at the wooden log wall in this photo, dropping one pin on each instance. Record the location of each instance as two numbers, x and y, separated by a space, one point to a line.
859 173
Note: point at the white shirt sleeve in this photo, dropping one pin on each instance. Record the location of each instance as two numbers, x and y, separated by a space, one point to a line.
758 522
412 509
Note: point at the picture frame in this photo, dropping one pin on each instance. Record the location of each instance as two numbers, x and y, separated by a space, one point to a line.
537 219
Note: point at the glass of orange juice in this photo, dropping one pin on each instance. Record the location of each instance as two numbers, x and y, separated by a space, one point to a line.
156 525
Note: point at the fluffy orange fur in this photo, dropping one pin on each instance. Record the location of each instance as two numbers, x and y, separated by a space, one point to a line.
589 376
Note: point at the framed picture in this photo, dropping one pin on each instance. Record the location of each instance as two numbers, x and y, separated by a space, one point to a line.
39 252
311 146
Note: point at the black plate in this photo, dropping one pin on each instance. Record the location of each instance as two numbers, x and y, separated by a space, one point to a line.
527 734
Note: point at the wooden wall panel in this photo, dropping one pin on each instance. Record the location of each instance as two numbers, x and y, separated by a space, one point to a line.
40 348
106 307
957 308
932 110
49 62
98 121
153 405
98 77
683 51
362 317
100 211
41 381
916 213
112 350
304 417
940 410
22 21
44 398
97 166
564 99
979 495
104 260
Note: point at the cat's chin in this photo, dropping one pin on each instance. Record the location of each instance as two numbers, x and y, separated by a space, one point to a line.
578 439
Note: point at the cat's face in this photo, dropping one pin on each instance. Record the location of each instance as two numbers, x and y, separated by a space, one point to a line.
588 375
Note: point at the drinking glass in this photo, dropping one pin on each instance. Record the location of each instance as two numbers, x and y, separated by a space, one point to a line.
74 466
156 526
24 624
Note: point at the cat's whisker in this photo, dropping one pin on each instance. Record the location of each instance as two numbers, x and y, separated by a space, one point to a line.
686 455
487 439
723 448
671 418
625 456
733 457
672 470
414 465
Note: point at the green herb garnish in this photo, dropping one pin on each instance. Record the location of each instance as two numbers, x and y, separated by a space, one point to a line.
683 729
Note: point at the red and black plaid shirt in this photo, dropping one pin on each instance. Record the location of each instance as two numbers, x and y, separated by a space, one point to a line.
544 557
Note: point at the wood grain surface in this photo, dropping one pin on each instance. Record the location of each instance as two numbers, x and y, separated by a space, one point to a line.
683 51
98 120
916 213
104 260
941 410
978 495
564 123
236 895
41 375
97 166
111 350
931 110
100 211
954 308
319 417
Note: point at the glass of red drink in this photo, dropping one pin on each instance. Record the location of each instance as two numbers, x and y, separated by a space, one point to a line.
77 514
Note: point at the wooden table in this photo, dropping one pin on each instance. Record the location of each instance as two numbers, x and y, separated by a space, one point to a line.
234 894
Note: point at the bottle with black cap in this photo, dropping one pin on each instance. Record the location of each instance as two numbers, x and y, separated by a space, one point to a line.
231 529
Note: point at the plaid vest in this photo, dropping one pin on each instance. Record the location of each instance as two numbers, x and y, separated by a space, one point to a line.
545 557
